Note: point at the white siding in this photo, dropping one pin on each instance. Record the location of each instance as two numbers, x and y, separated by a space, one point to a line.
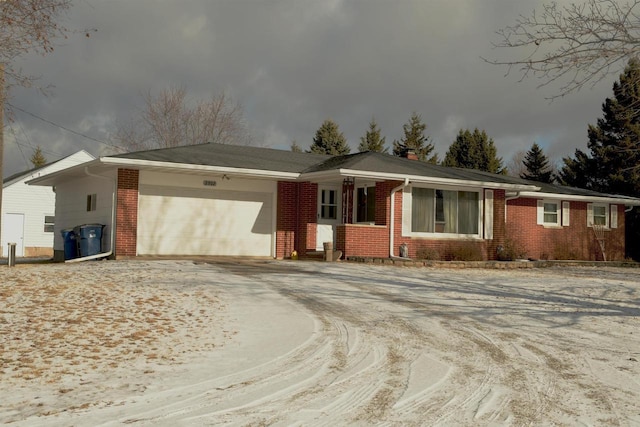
71 207
35 202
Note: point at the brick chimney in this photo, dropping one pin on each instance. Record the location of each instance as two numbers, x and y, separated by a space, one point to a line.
410 153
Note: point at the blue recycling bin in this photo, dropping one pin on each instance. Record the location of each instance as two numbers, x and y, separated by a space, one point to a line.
70 244
89 237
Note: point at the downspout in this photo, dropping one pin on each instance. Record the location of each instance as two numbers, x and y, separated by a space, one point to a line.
506 199
113 220
393 193
630 209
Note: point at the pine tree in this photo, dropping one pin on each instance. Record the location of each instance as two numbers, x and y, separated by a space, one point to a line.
613 162
38 158
415 139
537 165
371 141
295 147
329 140
474 151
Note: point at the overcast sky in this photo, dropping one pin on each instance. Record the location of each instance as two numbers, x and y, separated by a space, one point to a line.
292 64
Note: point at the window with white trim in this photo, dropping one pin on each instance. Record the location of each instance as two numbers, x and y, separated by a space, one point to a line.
444 211
552 213
598 214
366 204
328 204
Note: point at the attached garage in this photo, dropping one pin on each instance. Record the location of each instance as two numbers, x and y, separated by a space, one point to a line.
195 221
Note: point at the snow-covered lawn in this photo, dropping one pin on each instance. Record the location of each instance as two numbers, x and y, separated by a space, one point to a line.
310 343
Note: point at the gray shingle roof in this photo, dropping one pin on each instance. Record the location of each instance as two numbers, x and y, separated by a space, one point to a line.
259 158
232 156
386 163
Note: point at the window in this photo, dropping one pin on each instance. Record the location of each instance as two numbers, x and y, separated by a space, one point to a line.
366 204
91 202
329 204
49 221
443 211
598 214
550 213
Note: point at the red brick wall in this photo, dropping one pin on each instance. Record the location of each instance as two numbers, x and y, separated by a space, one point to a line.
296 218
363 240
576 241
308 216
126 212
298 201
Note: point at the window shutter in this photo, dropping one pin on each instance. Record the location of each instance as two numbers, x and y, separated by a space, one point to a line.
614 216
488 214
565 214
406 211
589 214
540 211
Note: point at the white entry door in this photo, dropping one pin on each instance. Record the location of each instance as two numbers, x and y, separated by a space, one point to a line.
13 232
329 199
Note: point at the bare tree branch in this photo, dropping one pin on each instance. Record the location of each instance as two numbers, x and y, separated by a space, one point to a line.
168 120
573 45
29 26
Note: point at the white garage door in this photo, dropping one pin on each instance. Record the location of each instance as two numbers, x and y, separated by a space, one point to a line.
183 221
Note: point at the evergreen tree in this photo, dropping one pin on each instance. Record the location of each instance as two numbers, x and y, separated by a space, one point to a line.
329 140
38 158
474 151
415 139
371 141
537 165
295 147
613 162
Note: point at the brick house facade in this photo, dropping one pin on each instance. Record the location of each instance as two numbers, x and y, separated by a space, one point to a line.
231 200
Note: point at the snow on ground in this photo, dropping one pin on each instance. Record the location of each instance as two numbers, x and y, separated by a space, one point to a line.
310 343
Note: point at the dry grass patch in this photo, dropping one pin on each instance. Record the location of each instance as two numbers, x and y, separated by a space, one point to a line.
62 323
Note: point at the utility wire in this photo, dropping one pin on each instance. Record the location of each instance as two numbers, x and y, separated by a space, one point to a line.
65 128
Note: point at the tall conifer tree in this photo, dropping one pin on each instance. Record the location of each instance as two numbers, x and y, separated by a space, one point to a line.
372 141
329 140
38 159
537 165
415 139
613 162
474 150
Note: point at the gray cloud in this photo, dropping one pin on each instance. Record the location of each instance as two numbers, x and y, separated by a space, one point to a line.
292 64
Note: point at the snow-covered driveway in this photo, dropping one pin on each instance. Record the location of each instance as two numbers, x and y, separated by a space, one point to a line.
310 343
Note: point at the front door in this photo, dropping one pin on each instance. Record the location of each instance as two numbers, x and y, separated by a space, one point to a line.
328 215
13 232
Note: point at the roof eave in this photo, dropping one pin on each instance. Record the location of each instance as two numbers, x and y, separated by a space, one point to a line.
621 200
191 168
338 173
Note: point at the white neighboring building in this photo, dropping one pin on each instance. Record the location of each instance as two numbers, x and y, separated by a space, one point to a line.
28 212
